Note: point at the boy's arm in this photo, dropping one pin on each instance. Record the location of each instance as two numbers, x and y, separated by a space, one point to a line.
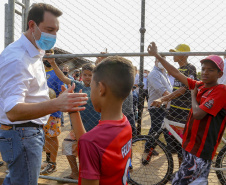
197 112
77 124
90 182
58 72
152 50
168 97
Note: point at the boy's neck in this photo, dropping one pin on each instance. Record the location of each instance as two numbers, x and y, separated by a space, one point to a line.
210 85
183 63
111 110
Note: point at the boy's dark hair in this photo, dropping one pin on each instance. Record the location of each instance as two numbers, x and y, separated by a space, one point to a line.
37 10
88 66
117 73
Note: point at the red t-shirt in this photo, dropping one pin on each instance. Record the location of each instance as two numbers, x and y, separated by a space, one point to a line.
202 137
105 151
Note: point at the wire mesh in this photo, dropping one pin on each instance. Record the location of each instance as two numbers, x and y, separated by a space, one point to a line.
89 27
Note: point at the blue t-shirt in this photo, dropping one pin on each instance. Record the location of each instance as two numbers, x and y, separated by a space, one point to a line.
54 83
90 117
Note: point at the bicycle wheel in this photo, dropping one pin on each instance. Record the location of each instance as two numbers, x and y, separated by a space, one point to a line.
221 163
158 170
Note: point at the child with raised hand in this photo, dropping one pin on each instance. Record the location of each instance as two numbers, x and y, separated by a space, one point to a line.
89 116
206 122
104 152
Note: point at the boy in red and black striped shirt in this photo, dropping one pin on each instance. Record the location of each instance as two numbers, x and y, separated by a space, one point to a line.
206 121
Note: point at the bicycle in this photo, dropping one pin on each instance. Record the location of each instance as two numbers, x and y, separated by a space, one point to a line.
158 170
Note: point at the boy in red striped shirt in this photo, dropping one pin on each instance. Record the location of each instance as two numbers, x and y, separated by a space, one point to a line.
206 121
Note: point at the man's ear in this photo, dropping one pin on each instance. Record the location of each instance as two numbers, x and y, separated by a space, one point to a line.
31 25
102 88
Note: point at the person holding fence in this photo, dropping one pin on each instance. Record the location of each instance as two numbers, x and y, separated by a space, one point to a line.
24 97
52 128
206 122
158 86
105 151
90 117
180 99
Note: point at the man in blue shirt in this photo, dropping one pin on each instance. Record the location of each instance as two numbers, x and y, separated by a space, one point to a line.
52 128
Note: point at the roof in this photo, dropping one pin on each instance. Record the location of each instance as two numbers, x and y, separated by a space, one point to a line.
73 63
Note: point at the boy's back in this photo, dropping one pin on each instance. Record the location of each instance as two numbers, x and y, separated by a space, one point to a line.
106 152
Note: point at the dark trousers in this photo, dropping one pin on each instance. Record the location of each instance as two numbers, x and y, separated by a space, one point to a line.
131 119
157 117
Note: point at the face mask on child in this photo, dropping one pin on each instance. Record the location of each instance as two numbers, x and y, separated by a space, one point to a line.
145 74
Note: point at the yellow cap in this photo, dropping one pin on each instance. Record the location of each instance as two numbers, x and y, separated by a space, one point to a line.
181 48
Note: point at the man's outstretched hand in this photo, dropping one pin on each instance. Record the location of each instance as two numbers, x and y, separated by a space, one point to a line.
69 101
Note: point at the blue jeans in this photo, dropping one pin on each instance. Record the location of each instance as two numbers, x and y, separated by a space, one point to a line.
21 149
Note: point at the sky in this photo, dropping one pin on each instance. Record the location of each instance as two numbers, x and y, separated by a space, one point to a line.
90 26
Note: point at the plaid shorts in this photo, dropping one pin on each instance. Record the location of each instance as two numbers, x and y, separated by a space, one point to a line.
193 171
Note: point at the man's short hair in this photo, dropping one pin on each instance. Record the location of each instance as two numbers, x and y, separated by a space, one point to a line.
88 66
37 10
117 73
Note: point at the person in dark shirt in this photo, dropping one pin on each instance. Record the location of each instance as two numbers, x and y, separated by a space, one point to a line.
206 122
180 99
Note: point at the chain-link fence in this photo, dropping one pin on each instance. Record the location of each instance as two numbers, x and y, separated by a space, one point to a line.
126 28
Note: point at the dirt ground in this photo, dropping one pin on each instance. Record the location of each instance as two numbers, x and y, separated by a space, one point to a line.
63 168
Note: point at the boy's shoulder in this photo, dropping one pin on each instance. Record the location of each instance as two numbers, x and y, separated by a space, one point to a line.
106 131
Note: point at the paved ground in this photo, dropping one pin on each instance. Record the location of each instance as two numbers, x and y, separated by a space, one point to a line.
63 166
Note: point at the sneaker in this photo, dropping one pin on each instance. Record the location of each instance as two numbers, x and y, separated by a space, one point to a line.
146 157
50 168
44 164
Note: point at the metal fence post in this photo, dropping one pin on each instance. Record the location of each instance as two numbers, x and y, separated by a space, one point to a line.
10 14
25 14
141 99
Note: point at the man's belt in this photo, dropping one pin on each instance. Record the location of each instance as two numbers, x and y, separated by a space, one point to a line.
28 124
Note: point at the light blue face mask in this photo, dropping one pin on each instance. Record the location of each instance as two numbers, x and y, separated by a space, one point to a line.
46 41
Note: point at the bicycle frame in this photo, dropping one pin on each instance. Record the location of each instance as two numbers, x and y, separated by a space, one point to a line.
166 124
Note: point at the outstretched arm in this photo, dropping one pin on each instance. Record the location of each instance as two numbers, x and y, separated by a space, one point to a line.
168 97
65 102
57 70
76 121
152 50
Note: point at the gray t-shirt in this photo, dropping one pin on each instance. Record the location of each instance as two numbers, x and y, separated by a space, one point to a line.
158 83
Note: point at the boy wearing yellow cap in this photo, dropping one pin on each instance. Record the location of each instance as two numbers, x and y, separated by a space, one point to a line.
180 98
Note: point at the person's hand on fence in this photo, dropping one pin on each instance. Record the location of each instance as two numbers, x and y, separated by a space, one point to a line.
50 60
152 49
70 101
99 59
